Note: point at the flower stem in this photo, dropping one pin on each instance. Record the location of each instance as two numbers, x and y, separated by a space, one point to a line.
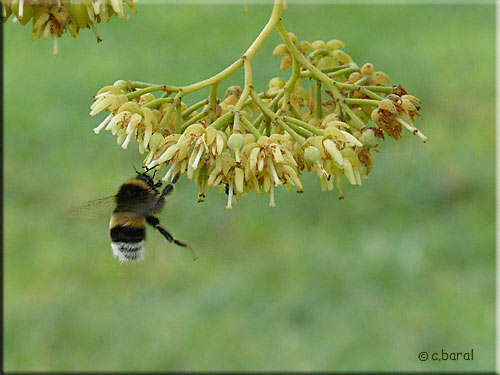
362 101
318 110
143 91
247 56
251 127
212 102
304 125
193 108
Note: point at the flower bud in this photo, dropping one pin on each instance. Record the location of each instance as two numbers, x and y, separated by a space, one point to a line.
375 116
155 140
121 84
230 100
235 141
412 99
312 154
408 105
78 12
280 49
379 78
369 139
341 56
334 44
317 44
325 62
367 69
355 76
292 37
388 105
286 62
277 82
304 46
233 90
61 14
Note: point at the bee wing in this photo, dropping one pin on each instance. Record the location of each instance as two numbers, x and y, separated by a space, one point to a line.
92 209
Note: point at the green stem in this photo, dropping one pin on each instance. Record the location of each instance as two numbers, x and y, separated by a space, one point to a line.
143 91
308 74
178 118
299 130
317 74
177 100
362 101
362 80
290 85
304 125
350 86
263 107
212 103
290 131
193 108
140 85
236 121
247 87
158 102
318 110
320 51
342 72
248 55
221 121
251 127
193 120
370 94
357 122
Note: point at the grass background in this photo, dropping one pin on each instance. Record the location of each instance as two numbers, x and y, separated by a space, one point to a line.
404 264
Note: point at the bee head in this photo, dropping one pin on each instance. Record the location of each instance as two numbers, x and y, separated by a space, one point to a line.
143 176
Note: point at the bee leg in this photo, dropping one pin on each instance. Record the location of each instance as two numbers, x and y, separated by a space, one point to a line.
160 202
154 222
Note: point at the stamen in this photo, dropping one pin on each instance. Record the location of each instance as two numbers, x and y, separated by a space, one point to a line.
322 170
103 103
127 140
98 129
46 31
271 198
413 129
230 198
101 94
170 170
198 157
277 181
21 9
56 46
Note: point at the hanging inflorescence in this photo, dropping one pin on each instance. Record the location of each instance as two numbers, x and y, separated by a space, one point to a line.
56 17
326 118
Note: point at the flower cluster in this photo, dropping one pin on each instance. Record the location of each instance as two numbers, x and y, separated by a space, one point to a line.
327 118
55 17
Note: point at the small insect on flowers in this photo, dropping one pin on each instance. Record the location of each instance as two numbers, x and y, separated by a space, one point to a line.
136 202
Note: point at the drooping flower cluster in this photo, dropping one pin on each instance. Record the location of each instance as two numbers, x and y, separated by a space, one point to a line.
326 118
56 17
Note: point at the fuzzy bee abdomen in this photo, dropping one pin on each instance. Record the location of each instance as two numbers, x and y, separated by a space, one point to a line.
128 232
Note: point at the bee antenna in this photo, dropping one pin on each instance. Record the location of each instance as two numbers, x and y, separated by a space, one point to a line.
148 169
135 169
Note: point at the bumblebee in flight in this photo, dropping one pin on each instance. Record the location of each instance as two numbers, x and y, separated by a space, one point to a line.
136 202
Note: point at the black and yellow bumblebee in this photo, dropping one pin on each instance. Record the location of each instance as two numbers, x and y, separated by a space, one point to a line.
137 201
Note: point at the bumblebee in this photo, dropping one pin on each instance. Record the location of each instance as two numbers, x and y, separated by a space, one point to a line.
137 201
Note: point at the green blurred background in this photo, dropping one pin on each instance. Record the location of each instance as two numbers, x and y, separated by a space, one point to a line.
404 264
